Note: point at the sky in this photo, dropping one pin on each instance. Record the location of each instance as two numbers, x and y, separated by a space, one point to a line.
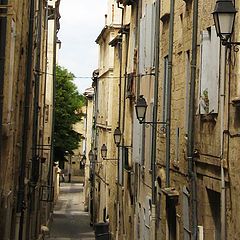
80 24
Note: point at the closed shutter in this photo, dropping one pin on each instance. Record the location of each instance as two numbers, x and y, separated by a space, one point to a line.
120 169
186 225
137 141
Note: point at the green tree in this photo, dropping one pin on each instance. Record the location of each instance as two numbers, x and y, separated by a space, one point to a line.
67 113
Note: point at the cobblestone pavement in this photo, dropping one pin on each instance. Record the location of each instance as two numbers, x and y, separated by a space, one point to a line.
70 222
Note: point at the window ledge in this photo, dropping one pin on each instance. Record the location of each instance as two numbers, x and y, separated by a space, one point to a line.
212 117
236 102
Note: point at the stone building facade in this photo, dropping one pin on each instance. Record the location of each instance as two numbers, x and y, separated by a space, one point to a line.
179 179
24 181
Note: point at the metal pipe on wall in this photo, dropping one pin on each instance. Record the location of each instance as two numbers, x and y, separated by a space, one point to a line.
190 142
222 112
119 124
155 111
169 92
35 161
3 32
50 171
24 149
124 109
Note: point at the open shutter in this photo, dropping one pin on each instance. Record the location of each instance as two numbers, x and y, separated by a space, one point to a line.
209 89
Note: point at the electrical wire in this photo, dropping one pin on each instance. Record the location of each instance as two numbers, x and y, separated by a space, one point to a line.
79 77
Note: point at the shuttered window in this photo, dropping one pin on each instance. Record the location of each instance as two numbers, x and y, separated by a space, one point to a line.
147 38
209 72
137 141
120 168
165 89
186 225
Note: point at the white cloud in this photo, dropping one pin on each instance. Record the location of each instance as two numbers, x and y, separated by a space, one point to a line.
81 22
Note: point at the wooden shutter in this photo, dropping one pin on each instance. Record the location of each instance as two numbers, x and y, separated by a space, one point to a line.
209 72
186 225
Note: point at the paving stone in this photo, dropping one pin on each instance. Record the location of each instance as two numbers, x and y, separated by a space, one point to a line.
70 222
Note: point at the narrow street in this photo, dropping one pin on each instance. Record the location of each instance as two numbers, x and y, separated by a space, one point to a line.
70 222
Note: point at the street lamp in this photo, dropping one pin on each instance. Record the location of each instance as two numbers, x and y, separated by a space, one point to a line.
90 156
224 18
117 136
141 108
104 151
83 160
104 154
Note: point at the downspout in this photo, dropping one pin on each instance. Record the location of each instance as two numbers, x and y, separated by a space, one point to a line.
3 32
119 123
32 219
50 171
190 142
120 70
45 74
169 93
45 80
126 33
96 98
24 149
222 104
35 157
155 111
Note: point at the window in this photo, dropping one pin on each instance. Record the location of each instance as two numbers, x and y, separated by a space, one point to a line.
120 168
147 38
171 219
165 89
213 215
187 88
209 72
186 221
138 150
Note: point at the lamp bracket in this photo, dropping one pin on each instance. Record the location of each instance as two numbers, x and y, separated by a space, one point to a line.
111 159
152 123
233 45
125 146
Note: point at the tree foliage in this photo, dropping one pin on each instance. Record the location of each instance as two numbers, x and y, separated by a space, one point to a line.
68 103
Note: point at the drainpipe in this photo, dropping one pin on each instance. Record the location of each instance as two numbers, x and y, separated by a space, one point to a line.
126 33
95 143
169 93
119 123
190 142
50 171
45 77
155 111
3 32
24 150
35 157
222 103
35 203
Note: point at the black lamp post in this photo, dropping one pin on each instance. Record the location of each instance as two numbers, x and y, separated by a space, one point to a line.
224 18
90 156
83 160
117 136
104 151
141 108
